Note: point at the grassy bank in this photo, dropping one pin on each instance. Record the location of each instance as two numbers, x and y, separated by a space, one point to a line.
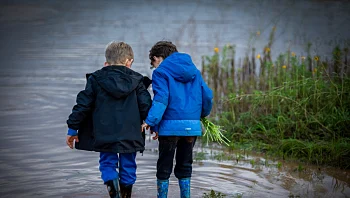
293 106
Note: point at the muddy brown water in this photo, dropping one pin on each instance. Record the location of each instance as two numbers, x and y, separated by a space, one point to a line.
48 46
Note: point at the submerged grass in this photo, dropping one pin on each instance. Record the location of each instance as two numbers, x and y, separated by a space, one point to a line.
213 194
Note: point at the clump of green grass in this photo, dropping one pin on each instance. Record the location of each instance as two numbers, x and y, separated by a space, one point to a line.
213 194
320 152
252 162
214 132
279 165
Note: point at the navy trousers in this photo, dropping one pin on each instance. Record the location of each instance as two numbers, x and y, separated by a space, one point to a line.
183 146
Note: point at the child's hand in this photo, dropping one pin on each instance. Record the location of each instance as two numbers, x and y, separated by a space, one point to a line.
70 140
156 136
144 126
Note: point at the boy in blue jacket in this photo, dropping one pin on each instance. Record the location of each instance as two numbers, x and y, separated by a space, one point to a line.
117 101
181 98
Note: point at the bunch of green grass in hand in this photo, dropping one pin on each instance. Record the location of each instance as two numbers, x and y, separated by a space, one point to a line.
214 132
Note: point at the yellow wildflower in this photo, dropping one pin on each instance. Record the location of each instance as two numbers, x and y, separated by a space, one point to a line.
216 50
316 58
267 49
258 56
303 58
293 54
284 67
315 70
258 33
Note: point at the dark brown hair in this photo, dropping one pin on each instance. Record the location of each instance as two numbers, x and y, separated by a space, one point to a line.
162 49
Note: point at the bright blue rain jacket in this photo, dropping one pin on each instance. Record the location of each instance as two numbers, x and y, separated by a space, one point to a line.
181 97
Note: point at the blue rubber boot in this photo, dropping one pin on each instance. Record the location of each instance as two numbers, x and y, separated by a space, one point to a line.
185 187
162 188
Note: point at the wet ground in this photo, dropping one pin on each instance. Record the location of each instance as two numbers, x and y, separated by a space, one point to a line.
48 46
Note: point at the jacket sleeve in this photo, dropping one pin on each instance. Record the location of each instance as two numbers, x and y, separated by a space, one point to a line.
207 99
84 104
160 99
144 100
146 81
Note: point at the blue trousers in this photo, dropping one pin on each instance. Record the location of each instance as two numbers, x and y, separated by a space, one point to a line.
109 163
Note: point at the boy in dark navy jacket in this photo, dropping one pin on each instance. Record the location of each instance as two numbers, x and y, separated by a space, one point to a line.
181 98
117 102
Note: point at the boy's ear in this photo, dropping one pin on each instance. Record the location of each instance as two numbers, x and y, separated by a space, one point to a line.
129 62
106 64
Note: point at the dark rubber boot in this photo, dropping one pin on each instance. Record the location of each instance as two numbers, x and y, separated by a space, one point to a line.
125 191
113 188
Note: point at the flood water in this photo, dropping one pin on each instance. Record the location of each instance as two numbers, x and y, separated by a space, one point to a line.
48 46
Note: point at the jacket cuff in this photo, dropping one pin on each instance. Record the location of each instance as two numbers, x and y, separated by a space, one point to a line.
155 114
155 128
72 132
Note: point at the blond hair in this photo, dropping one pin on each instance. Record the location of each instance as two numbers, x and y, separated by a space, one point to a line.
118 52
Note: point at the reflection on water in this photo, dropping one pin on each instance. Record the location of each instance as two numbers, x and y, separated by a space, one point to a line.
47 49
254 175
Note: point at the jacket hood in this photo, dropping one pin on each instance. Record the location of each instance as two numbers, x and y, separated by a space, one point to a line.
118 81
180 67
